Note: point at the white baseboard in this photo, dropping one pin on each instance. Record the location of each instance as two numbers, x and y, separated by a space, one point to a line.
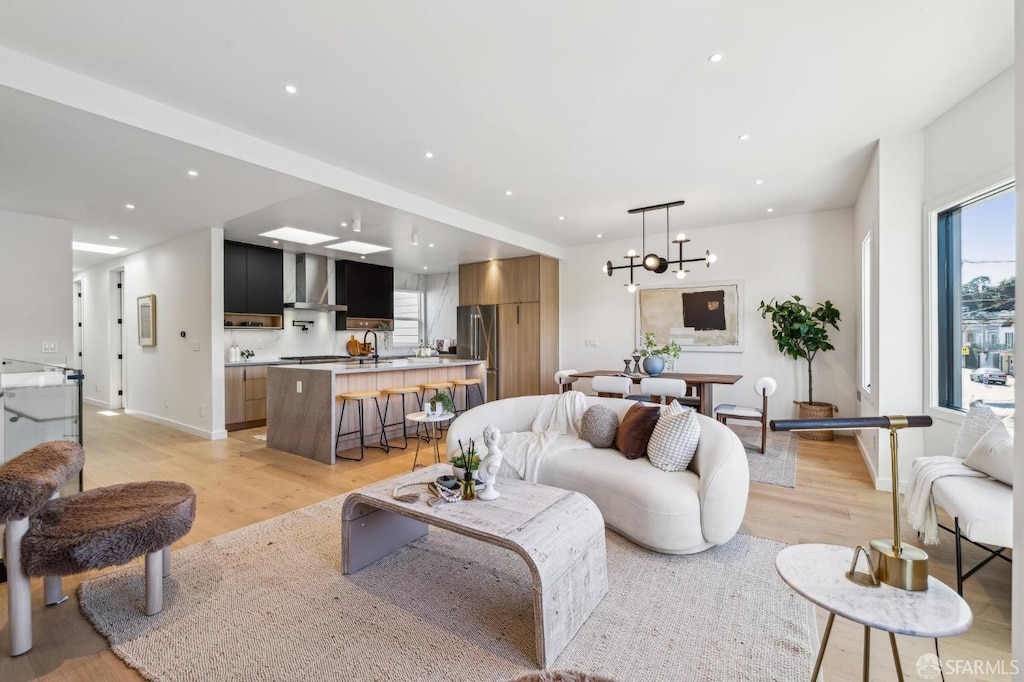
869 459
195 431
97 402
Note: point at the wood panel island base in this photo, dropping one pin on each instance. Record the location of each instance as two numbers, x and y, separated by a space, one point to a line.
302 412
559 533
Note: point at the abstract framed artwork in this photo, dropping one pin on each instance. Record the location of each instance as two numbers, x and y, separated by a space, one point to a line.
705 317
147 320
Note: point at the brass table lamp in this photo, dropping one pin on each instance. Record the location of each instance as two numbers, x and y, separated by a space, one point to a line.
891 561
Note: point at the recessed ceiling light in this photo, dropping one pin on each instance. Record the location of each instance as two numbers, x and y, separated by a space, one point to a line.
276 242
424 267
758 182
130 207
292 234
194 173
113 236
430 245
599 236
97 248
428 155
561 217
344 224
770 210
715 58
363 257
353 246
490 259
508 192
291 89
744 137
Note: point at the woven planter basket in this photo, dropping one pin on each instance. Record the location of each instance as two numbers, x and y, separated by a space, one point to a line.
816 411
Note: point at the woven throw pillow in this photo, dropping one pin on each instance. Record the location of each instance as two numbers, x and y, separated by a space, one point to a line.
599 426
674 440
992 454
978 420
674 407
635 430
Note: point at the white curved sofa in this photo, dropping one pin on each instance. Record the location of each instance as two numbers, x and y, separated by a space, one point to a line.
670 512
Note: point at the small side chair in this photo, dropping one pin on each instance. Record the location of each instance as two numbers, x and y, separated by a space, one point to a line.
565 379
612 387
764 387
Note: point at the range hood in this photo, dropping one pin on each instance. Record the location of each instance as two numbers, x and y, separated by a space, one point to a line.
311 285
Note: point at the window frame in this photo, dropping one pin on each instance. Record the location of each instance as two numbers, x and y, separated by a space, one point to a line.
420 320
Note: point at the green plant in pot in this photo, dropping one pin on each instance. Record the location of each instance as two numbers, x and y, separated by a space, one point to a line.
465 456
802 332
444 400
654 354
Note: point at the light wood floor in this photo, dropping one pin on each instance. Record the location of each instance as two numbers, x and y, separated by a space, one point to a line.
239 482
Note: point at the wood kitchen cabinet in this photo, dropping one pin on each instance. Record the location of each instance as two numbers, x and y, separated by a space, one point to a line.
245 397
526 293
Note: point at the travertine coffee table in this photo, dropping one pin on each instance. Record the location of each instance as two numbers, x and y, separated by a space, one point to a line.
559 533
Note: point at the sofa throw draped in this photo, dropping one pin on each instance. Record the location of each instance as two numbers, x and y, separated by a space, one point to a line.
918 500
558 415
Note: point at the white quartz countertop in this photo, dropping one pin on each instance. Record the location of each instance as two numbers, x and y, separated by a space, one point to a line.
382 366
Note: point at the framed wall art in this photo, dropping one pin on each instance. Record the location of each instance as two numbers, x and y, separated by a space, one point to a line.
147 320
707 317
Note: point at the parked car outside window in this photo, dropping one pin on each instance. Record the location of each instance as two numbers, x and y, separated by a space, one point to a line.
989 375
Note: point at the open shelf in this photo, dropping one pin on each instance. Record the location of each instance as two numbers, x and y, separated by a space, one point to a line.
253 321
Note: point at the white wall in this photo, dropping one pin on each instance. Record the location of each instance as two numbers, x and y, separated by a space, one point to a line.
179 381
35 288
865 219
807 255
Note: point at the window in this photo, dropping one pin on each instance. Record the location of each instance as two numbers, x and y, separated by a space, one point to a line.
865 313
976 298
408 318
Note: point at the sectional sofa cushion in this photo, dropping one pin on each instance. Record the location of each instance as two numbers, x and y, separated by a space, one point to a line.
635 430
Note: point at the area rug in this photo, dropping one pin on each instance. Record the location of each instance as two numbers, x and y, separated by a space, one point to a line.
269 602
777 466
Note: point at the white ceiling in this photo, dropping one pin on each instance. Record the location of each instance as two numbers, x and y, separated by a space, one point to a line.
582 108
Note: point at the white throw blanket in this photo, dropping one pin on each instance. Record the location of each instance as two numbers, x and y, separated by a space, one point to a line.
557 416
918 499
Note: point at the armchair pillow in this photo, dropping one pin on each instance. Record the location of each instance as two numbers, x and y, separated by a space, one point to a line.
978 420
993 454
674 440
635 430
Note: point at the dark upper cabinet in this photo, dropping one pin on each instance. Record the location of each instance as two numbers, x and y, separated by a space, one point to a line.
253 279
367 290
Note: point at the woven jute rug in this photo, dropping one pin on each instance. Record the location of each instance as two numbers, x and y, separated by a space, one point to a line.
777 466
269 602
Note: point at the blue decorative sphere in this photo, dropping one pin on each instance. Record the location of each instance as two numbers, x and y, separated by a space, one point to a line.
654 365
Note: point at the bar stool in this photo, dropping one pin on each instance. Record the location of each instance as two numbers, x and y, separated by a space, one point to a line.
358 397
466 383
437 387
400 391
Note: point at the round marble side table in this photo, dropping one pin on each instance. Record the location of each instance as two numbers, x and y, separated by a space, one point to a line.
818 573
432 420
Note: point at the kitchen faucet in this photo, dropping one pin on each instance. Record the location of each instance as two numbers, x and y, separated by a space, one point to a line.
375 355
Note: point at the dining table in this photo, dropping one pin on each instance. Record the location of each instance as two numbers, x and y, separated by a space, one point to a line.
700 386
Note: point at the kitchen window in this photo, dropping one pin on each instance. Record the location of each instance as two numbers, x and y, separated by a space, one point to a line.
408 318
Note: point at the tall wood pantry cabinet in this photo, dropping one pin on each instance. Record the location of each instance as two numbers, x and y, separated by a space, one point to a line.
526 293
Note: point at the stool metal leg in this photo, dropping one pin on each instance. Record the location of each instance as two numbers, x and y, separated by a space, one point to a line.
53 590
896 656
167 560
959 559
19 590
154 582
341 425
821 649
384 445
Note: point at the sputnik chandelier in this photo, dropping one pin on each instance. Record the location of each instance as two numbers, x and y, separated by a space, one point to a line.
652 261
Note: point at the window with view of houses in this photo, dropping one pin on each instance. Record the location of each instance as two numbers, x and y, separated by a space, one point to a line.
977 300
408 318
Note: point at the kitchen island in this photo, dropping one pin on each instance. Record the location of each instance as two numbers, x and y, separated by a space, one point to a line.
302 410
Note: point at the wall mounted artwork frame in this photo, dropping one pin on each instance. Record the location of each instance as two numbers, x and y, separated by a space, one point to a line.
702 317
147 320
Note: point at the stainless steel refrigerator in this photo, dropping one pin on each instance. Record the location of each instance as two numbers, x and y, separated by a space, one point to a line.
478 340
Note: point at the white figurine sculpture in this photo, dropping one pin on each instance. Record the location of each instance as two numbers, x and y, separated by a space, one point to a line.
489 465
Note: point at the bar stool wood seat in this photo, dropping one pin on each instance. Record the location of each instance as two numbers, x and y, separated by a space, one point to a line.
400 391
359 397
466 383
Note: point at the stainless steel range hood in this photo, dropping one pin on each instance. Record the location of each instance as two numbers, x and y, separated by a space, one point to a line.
311 285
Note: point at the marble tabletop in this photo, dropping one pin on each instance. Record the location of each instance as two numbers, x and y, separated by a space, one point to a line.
818 573
424 417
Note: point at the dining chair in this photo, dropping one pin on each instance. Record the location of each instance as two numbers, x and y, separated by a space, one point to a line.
565 379
612 387
764 387
661 390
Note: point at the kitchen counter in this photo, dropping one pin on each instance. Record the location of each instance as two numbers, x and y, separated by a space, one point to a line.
255 363
303 411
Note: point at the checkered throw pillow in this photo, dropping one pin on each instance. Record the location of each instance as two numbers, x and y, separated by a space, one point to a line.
675 438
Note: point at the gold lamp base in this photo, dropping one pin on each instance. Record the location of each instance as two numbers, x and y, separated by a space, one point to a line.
904 569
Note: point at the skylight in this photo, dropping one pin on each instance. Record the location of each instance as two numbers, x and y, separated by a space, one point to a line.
353 246
97 248
293 234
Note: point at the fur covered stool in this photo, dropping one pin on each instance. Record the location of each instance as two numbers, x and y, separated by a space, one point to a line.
92 530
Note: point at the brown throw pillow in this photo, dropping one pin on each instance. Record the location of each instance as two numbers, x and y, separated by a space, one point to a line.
635 430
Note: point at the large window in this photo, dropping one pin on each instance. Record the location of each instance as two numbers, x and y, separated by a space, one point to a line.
865 314
977 313
408 318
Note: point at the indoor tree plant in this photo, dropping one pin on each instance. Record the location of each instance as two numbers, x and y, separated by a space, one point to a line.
801 333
